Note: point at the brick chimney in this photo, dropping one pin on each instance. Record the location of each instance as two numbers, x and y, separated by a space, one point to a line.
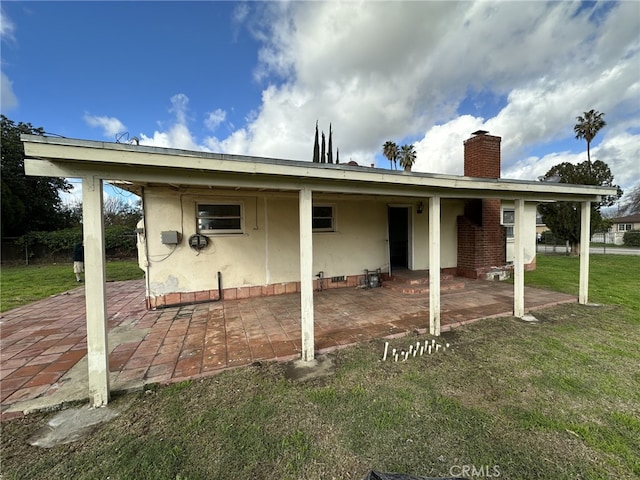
482 155
481 237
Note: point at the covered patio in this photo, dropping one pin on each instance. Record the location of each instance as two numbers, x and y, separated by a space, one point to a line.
307 325
44 345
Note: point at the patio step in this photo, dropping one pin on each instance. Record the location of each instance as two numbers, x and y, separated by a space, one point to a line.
417 282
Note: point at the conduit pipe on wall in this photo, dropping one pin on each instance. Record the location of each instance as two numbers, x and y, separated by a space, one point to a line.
147 261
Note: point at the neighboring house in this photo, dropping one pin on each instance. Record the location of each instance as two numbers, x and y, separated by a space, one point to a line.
619 227
230 226
541 227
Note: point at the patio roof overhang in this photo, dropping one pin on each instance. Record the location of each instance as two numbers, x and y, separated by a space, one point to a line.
133 167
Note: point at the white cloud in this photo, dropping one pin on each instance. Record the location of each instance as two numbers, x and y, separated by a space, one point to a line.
215 118
178 134
400 71
111 126
7 27
405 77
8 98
179 107
441 150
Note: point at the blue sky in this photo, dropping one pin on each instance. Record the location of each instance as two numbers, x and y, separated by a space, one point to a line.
252 77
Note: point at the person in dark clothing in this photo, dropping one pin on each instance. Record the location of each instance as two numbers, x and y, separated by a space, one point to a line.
78 261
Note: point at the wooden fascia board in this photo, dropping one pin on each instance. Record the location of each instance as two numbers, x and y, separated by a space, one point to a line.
116 161
111 154
204 178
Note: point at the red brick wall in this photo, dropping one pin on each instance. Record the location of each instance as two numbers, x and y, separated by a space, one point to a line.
181 298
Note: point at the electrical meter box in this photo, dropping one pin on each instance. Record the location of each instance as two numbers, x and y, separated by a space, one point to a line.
169 237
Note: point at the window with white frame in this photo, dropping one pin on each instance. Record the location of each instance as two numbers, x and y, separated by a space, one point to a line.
215 218
624 227
323 218
509 220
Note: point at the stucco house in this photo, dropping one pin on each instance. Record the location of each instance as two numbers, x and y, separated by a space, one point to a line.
220 226
618 228
244 241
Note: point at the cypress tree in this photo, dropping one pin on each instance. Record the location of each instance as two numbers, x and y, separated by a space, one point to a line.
316 147
322 158
330 153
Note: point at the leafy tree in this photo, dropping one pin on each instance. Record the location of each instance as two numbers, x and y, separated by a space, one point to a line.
390 150
588 127
28 203
632 205
316 147
407 157
117 212
563 218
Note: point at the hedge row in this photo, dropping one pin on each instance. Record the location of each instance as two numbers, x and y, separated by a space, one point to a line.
119 240
632 238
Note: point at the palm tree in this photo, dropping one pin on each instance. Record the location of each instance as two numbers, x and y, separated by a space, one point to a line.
588 127
390 150
407 157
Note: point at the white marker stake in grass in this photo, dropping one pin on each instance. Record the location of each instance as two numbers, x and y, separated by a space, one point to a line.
386 348
421 350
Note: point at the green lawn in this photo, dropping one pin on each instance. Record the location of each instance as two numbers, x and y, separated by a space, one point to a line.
20 285
613 279
557 399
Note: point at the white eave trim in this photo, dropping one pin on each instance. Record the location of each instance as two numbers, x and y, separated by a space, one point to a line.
134 163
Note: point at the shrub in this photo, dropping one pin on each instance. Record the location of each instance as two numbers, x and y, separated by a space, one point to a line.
550 238
631 238
52 242
119 241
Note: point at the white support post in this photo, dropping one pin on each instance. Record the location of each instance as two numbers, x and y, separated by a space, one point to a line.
434 265
518 263
306 274
585 239
95 297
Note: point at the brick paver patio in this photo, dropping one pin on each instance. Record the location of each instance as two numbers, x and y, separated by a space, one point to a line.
42 342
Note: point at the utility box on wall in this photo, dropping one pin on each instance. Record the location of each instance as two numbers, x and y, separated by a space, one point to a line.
169 237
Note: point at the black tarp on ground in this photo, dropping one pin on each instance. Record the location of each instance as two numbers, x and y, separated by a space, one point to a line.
375 475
